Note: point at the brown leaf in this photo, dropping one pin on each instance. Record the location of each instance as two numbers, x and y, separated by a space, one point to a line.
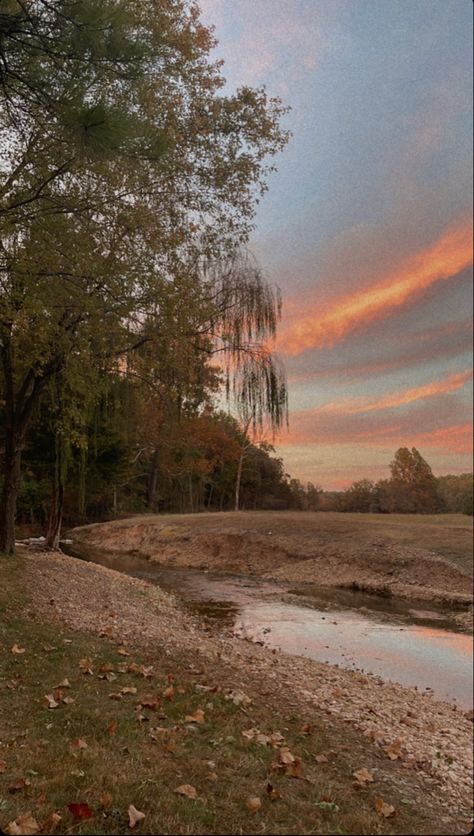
363 777
112 728
129 689
64 684
238 698
68 700
25 825
19 785
383 809
17 650
50 702
106 799
169 692
86 665
197 717
134 816
307 728
149 701
106 667
253 805
272 792
123 652
79 743
50 824
3 767
188 790
115 696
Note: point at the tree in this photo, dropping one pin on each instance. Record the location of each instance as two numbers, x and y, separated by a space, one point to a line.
360 497
412 483
124 168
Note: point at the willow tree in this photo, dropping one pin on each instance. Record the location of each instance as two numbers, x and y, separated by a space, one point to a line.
122 164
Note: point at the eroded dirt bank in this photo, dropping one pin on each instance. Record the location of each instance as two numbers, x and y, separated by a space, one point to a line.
421 745
411 557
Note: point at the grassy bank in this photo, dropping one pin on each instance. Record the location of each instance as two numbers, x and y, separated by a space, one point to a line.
125 727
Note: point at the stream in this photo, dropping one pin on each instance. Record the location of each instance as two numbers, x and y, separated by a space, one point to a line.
416 644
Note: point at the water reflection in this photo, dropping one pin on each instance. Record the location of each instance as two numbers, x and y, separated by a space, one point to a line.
391 638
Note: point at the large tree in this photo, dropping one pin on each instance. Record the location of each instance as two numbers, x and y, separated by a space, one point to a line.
123 167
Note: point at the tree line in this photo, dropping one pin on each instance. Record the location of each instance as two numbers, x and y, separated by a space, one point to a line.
412 488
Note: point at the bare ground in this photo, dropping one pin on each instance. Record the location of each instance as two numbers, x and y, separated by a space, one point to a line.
403 555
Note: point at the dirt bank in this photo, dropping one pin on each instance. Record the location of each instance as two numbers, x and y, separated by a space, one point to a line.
411 557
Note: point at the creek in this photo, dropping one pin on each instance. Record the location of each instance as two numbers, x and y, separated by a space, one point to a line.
416 644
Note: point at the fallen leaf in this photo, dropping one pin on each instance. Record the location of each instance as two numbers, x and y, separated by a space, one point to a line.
17 650
19 785
106 799
50 702
80 811
115 696
123 652
129 689
169 692
106 667
197 717
134 816
321 759
48 648
272 792
188 790
68 700
149 701
79 743
253 805
238 698
3 767
307 728
64 684
50 824
363 777
86 665
24 825
383 809
107 631
112 727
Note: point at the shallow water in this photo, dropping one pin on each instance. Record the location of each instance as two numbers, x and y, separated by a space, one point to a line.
414 643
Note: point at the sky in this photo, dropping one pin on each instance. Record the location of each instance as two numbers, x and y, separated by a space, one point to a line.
366 226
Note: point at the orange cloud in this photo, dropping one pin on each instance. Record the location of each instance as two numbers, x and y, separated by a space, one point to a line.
443 260
455 439
430 390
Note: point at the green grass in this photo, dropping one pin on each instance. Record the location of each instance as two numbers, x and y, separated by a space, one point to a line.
128 767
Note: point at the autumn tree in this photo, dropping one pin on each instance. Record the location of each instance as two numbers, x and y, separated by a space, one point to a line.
412 484
124 168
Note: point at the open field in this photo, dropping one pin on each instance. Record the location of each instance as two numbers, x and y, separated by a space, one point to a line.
144 702
405 555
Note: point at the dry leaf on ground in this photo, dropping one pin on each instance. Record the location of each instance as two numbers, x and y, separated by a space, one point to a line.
80 811
197 717
134 816
383 809
363 777
253 804
25 825
188 790
17 650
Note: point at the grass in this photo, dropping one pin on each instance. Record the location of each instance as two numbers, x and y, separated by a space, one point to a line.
122 764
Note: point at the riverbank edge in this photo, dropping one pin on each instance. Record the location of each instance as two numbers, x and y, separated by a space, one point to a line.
430 739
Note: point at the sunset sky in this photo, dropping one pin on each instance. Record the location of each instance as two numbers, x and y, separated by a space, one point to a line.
366 226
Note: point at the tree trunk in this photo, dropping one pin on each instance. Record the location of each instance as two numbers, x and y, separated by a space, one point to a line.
153 480
55 516
238 480
11 484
